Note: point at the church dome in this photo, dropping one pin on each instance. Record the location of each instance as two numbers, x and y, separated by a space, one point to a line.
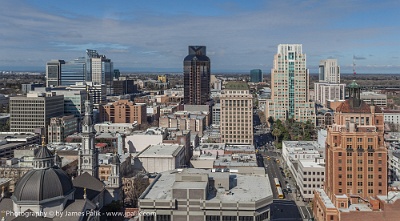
43 184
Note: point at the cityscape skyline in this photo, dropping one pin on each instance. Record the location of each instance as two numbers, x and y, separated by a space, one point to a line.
239 35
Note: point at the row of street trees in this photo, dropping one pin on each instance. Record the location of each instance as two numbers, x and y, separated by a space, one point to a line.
291 130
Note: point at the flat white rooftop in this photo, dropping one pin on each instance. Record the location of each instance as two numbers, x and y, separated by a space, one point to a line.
249 188
161 150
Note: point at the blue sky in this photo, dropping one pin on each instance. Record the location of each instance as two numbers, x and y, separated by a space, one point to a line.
239 35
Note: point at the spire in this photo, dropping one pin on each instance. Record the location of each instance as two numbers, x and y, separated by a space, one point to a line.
43 141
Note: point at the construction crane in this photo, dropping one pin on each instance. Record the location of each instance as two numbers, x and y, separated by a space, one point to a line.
354 65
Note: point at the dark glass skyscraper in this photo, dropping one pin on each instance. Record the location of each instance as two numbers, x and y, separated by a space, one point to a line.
256 76
196 71
73 71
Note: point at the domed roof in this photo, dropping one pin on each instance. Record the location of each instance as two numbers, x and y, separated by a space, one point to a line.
43 184
43 153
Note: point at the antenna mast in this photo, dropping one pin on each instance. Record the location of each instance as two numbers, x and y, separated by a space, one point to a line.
354 65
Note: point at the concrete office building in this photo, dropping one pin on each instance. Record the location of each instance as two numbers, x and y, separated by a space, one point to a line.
309 176
53 73
256 76
61 127
372 98
290 86
34 111
203 195
196 74
356 161
236 120
329 71
162 157
325 92
216 114
97 92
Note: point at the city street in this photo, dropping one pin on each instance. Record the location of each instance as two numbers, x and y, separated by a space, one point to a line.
273 169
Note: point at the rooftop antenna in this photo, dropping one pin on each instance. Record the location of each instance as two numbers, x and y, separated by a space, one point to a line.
354 65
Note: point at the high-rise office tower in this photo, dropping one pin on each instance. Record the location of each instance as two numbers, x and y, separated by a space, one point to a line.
99 69
236 114
329 87
34 111
73 71
196 71
356 158
256 76
289 86
329 71
53 73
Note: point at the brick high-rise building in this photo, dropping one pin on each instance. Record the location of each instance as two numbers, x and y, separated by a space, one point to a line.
196 73
356 160
124 111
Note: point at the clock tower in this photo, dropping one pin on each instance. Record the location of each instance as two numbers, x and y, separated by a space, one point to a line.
88 155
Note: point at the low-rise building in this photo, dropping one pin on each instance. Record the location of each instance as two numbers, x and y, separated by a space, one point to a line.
162 157
309 175
372 98
10 141
108 127
196 122
196 194
139 140
392 117
292 151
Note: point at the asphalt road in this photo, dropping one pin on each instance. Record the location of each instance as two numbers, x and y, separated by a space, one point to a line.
273 171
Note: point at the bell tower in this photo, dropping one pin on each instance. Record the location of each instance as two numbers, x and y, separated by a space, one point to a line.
88 155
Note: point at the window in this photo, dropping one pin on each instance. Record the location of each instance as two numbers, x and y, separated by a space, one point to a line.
380 169
370 183
340 154
340 183
370 169
349 183
340 168
349 168
348 139
349 176
359 139
359 169
349 154
370 140
359 184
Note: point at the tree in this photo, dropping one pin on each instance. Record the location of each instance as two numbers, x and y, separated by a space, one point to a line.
276 133
140 183
270 121
5 127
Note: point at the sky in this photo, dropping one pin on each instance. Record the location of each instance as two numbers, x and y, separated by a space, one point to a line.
154 35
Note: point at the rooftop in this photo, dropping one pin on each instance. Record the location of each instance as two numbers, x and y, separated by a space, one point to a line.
328 203
236 85
161 150
249 188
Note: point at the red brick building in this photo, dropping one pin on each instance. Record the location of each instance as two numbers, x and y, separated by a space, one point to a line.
356 162
124 111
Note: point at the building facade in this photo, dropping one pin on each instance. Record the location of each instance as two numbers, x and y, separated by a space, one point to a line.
61 127
124 111
373 98
202 195
196 74
73 71
325 92
256 76
329 71
290 86
53 73
236 118
356 160
34 111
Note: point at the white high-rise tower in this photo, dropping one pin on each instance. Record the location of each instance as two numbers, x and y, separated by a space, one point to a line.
290 86
88 155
